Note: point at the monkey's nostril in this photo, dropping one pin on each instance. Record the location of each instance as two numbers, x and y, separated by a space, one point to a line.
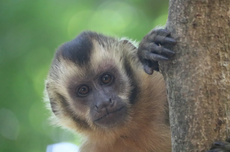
111 102
96 107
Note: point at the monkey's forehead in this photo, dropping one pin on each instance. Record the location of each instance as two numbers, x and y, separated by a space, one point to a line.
88 71
88 54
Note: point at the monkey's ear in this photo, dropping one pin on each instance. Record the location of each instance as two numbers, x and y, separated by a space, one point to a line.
50 99
128 43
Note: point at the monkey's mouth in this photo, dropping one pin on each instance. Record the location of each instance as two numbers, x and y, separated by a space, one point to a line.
111 118
108 113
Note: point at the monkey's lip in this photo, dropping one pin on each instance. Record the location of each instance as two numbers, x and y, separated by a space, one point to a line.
109 113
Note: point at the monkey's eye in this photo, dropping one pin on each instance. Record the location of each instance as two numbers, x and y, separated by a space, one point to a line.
106 78
83 90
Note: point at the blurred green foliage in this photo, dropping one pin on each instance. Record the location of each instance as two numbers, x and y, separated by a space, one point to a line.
30 31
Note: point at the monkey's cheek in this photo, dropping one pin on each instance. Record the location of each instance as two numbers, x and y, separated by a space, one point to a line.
112 119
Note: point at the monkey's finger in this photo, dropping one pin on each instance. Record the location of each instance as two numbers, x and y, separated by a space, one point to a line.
220 147
162 32
155 57
160 50
225 145
228 139
149 66
219 144
164 40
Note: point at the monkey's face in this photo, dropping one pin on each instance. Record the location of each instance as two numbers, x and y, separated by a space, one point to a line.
98 94
89 85
101 97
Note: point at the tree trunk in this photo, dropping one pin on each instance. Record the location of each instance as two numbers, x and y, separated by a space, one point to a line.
198 77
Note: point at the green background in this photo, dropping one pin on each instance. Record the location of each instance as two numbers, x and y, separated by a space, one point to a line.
30 31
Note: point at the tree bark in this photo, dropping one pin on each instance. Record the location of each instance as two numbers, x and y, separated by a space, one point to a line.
198 77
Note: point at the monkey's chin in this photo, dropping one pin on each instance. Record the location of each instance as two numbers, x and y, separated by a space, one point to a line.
112 119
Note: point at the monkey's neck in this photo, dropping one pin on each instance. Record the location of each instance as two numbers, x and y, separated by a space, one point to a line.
143 137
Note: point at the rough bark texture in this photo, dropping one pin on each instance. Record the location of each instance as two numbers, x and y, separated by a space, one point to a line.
198 77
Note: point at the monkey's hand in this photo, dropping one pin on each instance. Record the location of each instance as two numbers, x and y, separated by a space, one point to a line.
221 146
155 47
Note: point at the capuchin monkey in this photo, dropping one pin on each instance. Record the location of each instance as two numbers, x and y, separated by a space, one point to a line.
97 87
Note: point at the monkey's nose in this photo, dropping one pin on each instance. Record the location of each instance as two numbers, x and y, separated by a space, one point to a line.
103 104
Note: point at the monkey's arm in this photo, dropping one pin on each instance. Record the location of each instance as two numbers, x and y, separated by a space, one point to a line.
155 46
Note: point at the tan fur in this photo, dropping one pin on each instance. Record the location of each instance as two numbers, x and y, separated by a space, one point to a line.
144 130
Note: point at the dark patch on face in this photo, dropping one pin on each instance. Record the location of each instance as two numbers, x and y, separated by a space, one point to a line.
135 89
66 107
101 39
78 50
